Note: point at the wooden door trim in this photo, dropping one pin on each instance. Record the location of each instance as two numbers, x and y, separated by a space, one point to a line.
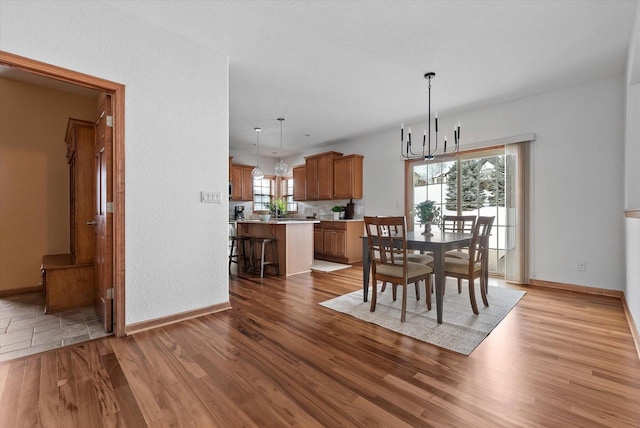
117 92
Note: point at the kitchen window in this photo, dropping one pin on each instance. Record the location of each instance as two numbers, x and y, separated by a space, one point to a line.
263 191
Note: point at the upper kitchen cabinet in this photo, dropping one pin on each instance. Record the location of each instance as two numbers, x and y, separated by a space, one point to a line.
241 182
319 175
299 183
347 177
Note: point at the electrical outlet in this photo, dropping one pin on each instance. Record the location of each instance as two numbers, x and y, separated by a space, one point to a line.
582 266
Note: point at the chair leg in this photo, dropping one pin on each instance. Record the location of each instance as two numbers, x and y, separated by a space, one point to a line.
262 260
233 245
404 303
427 291
459 285
483 290
394 291
384 286
472 297
374 293
417 285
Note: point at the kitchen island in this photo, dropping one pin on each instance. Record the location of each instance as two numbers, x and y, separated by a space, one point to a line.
295 241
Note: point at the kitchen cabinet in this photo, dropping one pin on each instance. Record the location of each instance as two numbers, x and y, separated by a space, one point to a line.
338 241
299 183
319 175
241 182
347 177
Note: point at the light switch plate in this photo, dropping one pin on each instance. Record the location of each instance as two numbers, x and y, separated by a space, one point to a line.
210 197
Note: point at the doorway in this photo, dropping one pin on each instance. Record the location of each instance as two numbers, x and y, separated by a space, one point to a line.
116 183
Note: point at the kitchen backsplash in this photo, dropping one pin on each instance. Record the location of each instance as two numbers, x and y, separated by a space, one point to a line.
321 208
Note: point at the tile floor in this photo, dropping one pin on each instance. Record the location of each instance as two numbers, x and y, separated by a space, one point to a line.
25 329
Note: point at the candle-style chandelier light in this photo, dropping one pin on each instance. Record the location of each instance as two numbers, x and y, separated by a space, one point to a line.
427 153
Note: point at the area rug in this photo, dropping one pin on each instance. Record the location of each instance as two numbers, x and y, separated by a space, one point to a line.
325 266
461 330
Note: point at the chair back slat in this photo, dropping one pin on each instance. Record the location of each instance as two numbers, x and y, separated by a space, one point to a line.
459 223
479 247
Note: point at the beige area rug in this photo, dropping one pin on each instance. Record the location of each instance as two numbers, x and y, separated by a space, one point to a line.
325 266
461 330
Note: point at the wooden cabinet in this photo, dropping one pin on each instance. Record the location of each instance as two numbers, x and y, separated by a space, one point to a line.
299 183
319 175
241 182
80 138
68 279
347 177
338 241
67 285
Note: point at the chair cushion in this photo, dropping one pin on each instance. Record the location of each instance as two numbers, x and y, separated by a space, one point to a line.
458 254
453 264
413 269
424 259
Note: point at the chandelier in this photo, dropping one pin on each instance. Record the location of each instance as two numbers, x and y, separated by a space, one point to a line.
281 167
257 172
427 153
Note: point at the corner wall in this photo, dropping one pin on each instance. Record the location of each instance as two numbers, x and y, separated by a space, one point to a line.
176 143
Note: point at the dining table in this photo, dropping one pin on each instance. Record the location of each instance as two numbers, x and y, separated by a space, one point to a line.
438 244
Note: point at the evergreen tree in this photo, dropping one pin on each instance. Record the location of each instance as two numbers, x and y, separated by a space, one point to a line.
451 198
496 183
472 195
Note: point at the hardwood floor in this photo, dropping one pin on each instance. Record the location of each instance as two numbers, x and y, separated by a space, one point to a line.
278 359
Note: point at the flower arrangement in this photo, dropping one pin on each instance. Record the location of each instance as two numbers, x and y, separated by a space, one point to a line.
277 207
427 212
337 209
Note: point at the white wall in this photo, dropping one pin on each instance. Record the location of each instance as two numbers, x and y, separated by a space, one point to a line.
576 176
176 143
632 155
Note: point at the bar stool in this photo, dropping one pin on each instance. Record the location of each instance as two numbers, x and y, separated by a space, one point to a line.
238 243
258 254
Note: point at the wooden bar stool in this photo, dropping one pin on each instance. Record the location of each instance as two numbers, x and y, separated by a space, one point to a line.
258 254
238 243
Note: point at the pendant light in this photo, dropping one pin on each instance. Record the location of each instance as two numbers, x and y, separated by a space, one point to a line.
256 172
281 167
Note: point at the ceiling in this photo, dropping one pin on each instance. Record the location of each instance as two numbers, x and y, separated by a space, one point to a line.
336 70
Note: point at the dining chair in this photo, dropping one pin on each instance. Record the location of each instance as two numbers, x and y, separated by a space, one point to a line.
425 259
475 266
387 240
459 224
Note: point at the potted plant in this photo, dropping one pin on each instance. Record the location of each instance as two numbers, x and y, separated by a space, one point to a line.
277 207
428 213
336 211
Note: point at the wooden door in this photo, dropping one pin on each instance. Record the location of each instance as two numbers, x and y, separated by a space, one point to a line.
104 216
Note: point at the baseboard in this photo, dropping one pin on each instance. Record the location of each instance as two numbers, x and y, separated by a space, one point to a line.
16 291
172 319
632 325
577 288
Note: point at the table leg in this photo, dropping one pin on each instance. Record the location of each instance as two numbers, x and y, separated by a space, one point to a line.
366 268
438 263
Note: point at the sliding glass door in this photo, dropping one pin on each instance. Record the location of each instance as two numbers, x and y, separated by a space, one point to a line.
469 184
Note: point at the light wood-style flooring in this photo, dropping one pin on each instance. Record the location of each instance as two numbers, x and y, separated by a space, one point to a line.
559 359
